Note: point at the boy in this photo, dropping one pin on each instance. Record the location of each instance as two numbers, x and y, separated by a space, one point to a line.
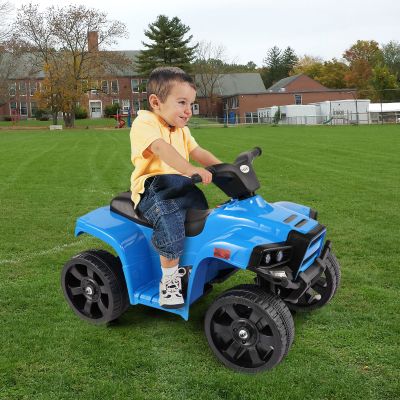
161 145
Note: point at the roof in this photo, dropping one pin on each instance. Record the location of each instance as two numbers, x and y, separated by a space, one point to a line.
278 86
384 107
24 66
238 83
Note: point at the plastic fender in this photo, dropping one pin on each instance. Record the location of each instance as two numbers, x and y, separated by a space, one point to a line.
304 210
127 239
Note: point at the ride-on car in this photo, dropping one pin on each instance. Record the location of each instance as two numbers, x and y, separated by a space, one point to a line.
249 327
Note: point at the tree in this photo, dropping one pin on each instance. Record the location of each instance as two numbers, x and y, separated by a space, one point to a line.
209 65
384 84
391 57
288 61
168 46
278 65
333 74
308 65
272 70
362 57
7 52
58 40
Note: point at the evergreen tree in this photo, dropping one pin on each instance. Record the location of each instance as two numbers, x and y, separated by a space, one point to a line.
167 47
278 65
288 61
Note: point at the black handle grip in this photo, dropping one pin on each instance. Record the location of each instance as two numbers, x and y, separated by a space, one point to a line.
196 178
256 152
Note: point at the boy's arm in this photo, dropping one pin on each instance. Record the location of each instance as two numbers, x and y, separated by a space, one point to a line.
170 156
204 157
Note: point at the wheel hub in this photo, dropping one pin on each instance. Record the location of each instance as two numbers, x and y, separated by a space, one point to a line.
245 332
90 289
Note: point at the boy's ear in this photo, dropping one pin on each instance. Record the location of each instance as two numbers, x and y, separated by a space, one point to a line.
154 102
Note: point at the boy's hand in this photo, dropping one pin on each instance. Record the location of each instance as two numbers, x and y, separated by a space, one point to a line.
206 176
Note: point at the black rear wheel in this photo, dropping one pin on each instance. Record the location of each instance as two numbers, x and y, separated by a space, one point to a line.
247 329
94 286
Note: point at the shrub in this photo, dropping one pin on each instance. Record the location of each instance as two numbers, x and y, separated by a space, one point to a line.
41 113
80 113
111 110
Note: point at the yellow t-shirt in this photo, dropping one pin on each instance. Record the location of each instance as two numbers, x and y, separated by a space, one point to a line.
147 128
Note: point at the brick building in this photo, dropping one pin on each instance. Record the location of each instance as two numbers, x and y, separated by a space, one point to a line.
238 96
124 87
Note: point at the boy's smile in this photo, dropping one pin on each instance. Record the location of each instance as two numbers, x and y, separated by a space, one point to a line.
176 110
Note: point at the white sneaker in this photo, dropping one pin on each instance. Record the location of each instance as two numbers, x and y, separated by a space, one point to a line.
171 290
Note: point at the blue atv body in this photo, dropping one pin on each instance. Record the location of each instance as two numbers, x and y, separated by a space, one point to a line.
249 327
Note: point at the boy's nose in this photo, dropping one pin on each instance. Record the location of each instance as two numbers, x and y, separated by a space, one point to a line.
188 110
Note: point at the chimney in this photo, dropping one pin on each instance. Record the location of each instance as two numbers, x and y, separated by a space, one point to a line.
93 41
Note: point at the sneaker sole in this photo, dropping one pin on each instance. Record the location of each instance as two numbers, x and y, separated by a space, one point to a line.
172 306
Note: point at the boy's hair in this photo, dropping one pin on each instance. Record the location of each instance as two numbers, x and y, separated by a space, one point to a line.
162 79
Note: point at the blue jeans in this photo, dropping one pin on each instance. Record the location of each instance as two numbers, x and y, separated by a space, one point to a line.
164 204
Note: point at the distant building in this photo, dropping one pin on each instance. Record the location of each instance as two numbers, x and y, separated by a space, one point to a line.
126 87
241 95
335 112
236 96
384 112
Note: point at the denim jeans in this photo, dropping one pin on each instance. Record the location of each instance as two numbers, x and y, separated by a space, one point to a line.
164 204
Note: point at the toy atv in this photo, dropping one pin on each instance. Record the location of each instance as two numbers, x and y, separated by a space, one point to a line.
249 327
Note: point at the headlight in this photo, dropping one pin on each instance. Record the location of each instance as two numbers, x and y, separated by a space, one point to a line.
273 255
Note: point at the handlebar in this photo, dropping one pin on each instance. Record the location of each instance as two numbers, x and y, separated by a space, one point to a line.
246 157
196 178
256 152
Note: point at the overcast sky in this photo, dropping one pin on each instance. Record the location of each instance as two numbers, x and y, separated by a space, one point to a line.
249 28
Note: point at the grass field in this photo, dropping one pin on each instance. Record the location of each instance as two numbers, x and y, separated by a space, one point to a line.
347 350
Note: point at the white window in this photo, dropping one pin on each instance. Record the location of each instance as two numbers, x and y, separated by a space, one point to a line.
13 107
114 86
136 105
22 88
115 101
33 108
32 88
13 89
125 107
104 86
143 85
23 108
298 99
135 85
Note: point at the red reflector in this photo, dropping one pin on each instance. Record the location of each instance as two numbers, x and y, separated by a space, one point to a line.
222 253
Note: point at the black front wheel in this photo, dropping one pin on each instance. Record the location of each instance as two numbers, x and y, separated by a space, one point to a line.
247 329
94 286
322 289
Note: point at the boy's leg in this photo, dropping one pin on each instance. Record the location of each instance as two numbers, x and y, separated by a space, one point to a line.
171 295
167 263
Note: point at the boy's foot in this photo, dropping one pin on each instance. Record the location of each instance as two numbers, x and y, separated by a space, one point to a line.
171 290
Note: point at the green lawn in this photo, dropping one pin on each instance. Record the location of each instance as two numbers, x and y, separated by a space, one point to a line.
347 350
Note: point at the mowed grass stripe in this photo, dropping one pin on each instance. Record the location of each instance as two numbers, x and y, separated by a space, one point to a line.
346 350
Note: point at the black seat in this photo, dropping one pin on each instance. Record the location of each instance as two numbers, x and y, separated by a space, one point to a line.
123 205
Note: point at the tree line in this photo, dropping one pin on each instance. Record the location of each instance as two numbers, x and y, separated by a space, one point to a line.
56 41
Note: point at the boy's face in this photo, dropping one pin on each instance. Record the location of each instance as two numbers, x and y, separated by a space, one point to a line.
176 110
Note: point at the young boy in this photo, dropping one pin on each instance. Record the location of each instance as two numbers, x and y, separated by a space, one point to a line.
161 146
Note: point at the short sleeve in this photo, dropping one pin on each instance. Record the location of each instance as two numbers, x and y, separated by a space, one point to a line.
190 140
142 135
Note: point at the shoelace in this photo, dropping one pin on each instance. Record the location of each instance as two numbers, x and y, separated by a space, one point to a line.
174 281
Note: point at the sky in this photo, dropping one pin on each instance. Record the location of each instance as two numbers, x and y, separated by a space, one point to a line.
247 29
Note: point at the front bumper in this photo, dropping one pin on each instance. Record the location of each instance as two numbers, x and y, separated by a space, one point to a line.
304 280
